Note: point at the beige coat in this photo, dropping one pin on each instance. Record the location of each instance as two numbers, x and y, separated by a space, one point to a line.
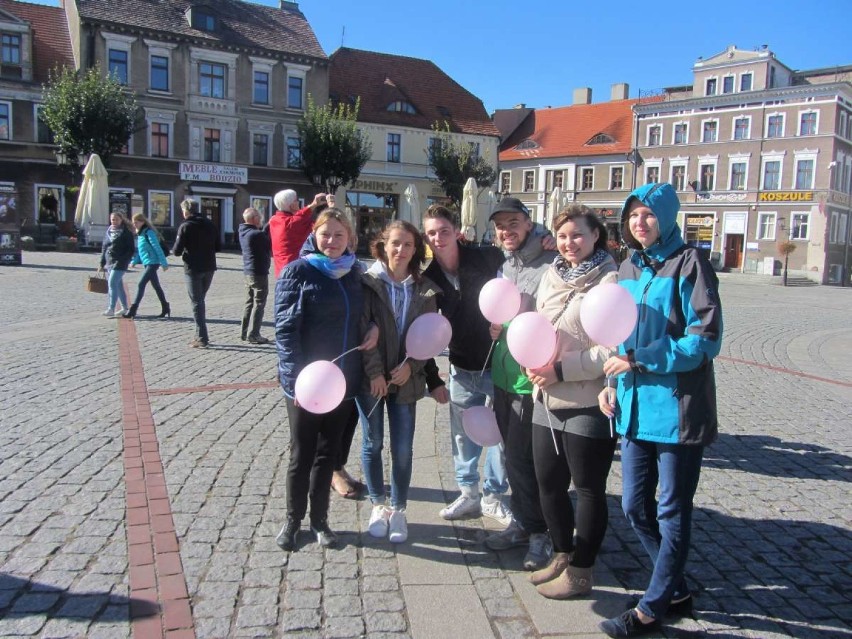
582 360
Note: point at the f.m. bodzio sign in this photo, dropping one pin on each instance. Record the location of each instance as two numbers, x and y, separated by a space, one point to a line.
786 196
223 173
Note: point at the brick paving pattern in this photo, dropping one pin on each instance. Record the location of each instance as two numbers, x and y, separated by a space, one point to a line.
142 484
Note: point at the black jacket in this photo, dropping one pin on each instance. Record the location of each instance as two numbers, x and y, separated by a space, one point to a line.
118 249
256 248
471 339
197 241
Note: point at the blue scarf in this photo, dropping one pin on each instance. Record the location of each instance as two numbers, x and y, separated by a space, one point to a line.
333 268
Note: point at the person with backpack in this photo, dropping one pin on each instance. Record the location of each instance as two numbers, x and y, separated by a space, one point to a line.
150 254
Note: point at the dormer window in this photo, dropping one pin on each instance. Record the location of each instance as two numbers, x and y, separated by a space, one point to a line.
11 48
601 138
202 18
401 106
526 144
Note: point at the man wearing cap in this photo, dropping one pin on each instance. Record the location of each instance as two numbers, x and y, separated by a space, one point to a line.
526 262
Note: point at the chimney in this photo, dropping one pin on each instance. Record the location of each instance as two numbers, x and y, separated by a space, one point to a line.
288 4
521 105
619 91
583 95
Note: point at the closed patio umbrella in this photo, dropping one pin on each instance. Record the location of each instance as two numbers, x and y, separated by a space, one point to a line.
93 201
468 210
554 205
410 209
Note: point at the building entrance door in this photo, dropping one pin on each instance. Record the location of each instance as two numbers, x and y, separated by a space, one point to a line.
211 208
733 251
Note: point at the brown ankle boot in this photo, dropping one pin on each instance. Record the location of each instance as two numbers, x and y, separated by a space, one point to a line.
572 582
552 570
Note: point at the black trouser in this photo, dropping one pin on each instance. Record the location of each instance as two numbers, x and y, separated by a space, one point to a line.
150 275
346 438
314 449
197 285
514 419
586 461
257 290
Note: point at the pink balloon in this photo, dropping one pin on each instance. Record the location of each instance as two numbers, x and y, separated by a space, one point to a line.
480 425
499 300
531 339
428 336
608 314
320 387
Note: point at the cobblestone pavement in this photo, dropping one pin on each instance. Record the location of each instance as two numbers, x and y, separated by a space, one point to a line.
142 485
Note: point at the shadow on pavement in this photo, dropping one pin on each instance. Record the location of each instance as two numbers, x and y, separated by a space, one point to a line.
768 455
54 267
21 597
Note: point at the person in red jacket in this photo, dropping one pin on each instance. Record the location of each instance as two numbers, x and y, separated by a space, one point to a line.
289 227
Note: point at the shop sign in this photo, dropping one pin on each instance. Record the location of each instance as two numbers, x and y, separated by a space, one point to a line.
721 197
837 197
222 173
787 196
374 186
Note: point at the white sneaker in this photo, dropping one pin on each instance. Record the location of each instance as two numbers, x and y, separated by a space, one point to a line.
397 527
514 535
108 313
464 507
541 548
378 526
493 507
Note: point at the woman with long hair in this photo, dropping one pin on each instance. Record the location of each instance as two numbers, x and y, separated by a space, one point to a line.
395 295
319 303
150 254
116 253
572 442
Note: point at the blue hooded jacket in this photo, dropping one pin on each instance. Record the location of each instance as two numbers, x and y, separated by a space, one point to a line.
669 396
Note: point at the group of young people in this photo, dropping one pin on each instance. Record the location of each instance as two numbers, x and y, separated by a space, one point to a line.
555 420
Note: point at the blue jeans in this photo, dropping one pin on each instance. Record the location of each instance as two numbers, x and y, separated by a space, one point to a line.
401 425
664 528
116 288
467 389
197 285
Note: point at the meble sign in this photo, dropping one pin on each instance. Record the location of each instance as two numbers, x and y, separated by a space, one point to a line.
787 196
197 171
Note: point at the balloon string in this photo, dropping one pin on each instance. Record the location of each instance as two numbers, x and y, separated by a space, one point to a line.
608 398
345 353
374 407
550 424
493 342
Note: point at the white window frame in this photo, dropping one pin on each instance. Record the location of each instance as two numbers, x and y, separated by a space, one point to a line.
387 145
654 165
842 120
61 213
524 181
198 55
833 227
737 159
37 106
301 71
587 168
262 65
119 43
715 78
783 125
264 128
816 123
714 162
227 135
648 133
771 215
685 165
733 78
703 124
288 135
740 85
797 157
611 170
772 157
160 116
164 50
269 210
842 228
674 129
10 131
171 220
508 188
807 216
734 127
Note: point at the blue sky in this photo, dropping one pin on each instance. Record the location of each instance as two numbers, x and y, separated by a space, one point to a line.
539 51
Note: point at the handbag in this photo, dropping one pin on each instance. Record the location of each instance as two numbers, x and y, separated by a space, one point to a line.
97 284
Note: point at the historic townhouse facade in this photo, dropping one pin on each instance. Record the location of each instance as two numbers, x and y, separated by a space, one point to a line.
220 86
581 149
759 153
400 99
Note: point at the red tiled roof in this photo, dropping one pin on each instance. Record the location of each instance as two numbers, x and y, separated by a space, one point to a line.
565 131
244 24
381 78
51 42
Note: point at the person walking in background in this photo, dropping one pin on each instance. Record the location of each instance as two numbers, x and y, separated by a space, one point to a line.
257 256
197 242
396 294
571 439
319 302
151 256
665 402
116 253
526 262
290 226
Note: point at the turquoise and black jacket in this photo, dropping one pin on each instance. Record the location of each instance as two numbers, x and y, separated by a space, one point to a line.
669 396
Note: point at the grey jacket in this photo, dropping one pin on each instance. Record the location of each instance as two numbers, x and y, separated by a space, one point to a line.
390 351
525 268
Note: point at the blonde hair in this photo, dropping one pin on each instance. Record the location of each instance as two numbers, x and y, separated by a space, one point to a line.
123 220
334 214
140 217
